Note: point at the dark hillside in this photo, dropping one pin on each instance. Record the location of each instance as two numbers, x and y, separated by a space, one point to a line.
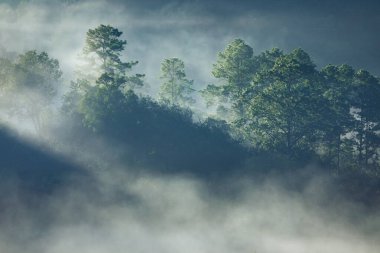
31 169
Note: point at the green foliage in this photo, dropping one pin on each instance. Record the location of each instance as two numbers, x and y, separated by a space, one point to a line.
175 88
266 60
338 119
160 137
283 109
275 102
93 101
282 105
30 84
104 42
7 76
73 97
37 72
366 111
352 120
235 66
157 134
100 103
281 102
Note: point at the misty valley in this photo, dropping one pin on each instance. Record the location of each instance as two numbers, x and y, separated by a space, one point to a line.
276 154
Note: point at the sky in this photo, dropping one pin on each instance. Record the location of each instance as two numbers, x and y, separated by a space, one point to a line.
335 32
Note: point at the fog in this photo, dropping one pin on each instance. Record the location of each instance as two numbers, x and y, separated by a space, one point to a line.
122 207
171 214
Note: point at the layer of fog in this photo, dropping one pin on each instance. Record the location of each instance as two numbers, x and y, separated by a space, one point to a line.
180 214
129 209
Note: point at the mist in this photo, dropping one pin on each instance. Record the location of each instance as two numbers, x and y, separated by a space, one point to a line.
148 176
170 214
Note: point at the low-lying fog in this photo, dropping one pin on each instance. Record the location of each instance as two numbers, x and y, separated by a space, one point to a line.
180 214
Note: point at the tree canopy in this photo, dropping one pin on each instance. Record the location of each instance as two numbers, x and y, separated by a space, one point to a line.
105 43
175 88
273 102
30 84
92 101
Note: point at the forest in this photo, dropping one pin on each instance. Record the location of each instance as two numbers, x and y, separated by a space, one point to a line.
105 137
273 104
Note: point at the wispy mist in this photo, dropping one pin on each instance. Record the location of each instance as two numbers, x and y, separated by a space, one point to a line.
171 214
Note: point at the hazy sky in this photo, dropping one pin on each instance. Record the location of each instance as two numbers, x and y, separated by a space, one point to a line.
331 31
